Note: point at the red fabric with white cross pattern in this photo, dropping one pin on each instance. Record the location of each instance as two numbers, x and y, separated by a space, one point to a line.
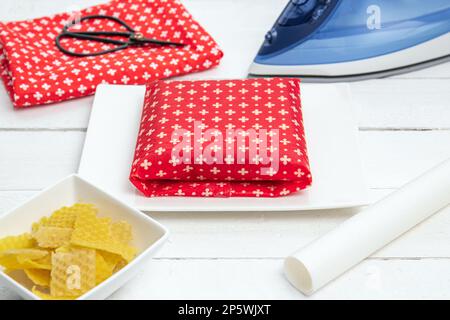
35 72
221 138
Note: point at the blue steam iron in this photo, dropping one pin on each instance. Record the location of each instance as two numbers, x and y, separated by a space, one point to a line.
344 40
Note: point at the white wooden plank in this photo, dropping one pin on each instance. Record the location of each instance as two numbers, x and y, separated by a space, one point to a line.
69 115
391 159
32 160
274 235
402 103
264 279
256 279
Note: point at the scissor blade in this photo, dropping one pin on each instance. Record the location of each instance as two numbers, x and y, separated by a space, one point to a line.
84 36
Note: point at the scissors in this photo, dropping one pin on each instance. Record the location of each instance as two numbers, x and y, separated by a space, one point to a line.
133 38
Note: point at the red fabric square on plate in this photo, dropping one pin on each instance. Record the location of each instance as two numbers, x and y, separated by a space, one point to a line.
222 138
35 72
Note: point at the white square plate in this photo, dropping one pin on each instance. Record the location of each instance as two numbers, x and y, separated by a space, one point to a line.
331 133
148 235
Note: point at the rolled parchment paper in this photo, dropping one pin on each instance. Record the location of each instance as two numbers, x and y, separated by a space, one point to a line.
326 258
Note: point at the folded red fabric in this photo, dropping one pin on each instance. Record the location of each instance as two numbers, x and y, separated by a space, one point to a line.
35 72
221 138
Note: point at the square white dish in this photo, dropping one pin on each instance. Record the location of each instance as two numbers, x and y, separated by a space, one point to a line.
331 133
148 235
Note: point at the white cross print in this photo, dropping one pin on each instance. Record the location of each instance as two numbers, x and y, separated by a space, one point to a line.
271 172
215 148
201 126
160 151
38 96
180 192
216 119
125 79
200 159
299 173
82 89
188 168
284 192
230 98
207 193
243 91
230 112
161 173
174 161
258 193
187 148
215 170
285 159
243 172
146 164
257 112
256 160
243 119
229 159
270 118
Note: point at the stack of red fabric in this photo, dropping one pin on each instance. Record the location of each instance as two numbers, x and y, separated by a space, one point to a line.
35 72
222 138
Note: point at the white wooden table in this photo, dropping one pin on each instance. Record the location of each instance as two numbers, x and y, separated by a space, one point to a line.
404 130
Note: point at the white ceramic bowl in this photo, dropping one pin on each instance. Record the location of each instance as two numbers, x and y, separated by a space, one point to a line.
148 235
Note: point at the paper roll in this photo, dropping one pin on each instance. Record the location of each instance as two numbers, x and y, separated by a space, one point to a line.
324 259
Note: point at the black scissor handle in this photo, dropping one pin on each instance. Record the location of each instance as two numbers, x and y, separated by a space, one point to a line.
134 38
120 45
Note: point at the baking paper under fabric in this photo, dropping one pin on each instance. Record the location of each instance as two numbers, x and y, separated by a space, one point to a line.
178 116
35 72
